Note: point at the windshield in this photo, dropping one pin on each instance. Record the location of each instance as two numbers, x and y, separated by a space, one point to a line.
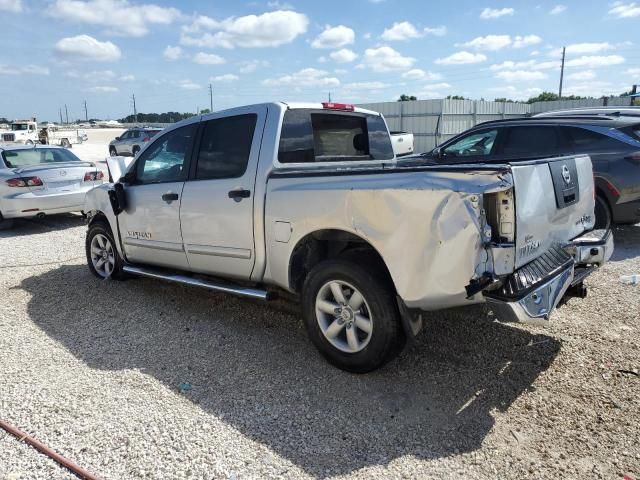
37 156
19 126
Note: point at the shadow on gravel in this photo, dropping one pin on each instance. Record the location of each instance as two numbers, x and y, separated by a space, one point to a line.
627 242
252 367
31 226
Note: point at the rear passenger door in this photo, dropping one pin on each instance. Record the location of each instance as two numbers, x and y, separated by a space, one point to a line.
216 214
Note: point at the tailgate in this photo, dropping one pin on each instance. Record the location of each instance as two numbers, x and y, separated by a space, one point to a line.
554 204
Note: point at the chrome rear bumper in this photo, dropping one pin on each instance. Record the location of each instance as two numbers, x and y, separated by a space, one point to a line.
534 302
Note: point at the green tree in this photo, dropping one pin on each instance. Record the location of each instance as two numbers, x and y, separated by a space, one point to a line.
407 98
504 100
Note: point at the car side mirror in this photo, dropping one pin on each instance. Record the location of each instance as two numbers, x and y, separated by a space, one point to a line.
117 138
128 177
437 152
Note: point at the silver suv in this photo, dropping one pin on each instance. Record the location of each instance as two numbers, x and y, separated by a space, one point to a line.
131 141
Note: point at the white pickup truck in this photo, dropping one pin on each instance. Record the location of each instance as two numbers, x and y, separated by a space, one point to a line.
310 199
26 132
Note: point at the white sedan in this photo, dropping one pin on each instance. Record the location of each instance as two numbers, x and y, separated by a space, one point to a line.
42 180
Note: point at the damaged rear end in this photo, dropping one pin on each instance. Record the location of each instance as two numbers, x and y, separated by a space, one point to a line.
542 245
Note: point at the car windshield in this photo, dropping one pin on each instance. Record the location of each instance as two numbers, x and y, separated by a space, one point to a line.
36 156
19 126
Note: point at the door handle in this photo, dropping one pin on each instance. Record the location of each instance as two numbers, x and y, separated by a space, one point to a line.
170 197
239 193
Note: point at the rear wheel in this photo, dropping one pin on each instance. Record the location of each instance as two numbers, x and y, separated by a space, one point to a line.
29 142
602 213
102 255
351 316
65 143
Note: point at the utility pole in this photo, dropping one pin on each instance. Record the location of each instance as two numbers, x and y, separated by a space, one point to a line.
135 111
60 112
564 49
329 97
210 98
86 115
66 113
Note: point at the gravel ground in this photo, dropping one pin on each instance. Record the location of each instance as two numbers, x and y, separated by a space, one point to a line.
93 368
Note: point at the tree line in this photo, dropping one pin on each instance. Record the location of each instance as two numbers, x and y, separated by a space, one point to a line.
542 97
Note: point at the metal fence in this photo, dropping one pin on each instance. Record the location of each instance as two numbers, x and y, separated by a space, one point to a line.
434 121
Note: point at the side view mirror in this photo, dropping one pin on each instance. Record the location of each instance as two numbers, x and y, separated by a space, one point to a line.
437 152
128 177
117 138
118 198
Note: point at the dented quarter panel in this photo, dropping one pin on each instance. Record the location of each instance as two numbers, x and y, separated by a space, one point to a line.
539 223
425 224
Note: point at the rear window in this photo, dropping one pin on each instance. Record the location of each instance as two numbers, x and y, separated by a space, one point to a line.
311 136
530 141
37 156
584 140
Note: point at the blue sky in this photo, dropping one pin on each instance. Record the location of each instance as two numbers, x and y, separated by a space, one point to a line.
61 52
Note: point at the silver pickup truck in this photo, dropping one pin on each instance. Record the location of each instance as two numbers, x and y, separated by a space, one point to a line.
310 199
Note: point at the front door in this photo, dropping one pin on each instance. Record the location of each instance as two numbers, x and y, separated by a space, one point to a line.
218 200
150 225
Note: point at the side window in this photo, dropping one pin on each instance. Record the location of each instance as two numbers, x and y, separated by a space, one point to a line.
164 160
308 137
531 141
125 135
135 134
585 141
478 143
225 147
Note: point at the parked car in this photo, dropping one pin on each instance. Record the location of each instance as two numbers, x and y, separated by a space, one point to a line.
310 199
42 180
131 141
63 136
612 142
402 143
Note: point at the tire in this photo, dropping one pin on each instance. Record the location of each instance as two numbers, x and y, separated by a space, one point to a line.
65 143
100 240
113 152
29 142
135 150
602 212
375 328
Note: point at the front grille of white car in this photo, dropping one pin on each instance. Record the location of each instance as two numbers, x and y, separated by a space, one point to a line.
8 137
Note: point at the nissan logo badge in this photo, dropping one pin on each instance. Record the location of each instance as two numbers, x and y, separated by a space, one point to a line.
566 175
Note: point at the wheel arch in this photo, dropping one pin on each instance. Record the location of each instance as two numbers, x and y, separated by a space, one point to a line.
331 243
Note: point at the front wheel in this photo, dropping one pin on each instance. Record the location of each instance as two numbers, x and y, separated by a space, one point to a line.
602 213
65 143
351 316
102 255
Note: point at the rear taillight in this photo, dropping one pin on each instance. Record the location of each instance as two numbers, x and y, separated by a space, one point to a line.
146 139
338 106
25 182
92 176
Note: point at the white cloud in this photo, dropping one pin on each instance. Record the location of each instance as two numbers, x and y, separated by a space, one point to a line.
490 42
84 47
14 6
491 13
419 74
582 49
307 77
334 37
343 55
102 89
340 71
558 9
625 10
594 89
172 53
400 31
227 77
276 5
595 61
322 59
633 71
526 41
118 16
582 76
202 58
384 59
127 78
23 70
252 65
461 58
189 85
515 93
529 65
366 86
520 75
270 29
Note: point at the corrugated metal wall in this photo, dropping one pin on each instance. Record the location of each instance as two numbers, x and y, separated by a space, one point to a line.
434 121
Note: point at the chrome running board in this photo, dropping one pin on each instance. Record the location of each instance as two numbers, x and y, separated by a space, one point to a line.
196 282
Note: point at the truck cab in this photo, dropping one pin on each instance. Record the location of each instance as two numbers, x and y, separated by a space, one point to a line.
22 132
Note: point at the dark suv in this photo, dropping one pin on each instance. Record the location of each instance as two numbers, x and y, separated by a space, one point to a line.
612 142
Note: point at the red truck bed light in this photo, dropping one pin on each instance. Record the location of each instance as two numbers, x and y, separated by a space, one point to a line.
338 106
